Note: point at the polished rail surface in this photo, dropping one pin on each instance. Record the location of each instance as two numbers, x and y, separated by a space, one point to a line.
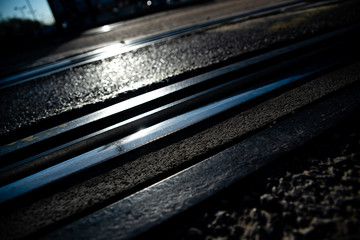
119 48
303 66
151 206
160 94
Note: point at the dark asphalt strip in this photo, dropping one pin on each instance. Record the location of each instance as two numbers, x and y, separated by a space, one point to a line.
153 205
62 204
136 140
68 94
150 134
116 49
95 121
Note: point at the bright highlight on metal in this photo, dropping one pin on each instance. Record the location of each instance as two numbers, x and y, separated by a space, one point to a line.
120 48
156 94
136 140
181 120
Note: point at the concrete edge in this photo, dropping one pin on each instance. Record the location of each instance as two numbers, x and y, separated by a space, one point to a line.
149 207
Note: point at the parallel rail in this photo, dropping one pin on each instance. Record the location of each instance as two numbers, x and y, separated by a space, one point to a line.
131 45
83 143
137 213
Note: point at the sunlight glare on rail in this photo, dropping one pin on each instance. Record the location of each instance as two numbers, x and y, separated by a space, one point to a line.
105 28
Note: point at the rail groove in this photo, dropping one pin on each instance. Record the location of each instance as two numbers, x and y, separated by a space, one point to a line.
131 45
145 209
27 166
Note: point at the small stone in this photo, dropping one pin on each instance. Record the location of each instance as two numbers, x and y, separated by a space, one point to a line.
283 185
340 160
224 218
311 186
284 204
288 175
270 203
348 177
277 190
332 172
307 232
257 216
299 179
292 194
255 213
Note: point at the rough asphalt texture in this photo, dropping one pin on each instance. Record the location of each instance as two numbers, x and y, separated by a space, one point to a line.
114 77
124 31
281 209
312 193
66 202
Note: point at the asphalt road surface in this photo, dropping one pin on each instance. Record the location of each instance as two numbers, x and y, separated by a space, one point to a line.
69 93
114 77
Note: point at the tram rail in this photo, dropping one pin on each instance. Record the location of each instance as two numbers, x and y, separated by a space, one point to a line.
114 49
90 140
148 122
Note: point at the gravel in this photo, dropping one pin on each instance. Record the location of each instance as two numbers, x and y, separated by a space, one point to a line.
312 193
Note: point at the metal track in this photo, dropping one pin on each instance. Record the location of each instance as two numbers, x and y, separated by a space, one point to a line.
145 209
168 110
116 49
156 101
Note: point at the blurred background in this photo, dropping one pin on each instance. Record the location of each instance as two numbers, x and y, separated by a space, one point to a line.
29 20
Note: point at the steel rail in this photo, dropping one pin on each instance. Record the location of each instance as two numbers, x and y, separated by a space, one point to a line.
19 169
157 131
135 214
158 94
119 48
133 141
